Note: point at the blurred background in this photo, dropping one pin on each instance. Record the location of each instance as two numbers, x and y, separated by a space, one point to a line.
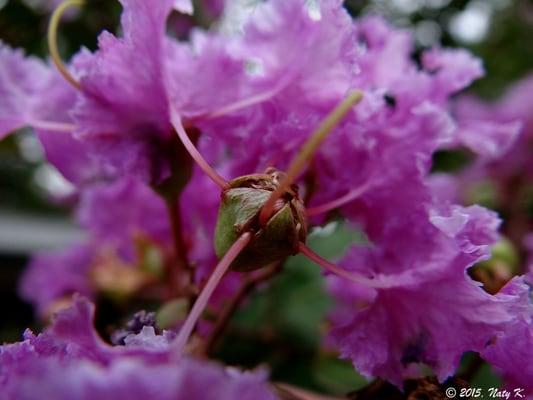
498 31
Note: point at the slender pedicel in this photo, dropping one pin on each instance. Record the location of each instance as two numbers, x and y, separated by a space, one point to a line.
331 205
308 150
200 304
52 39
195 154
351 276
247 102
53 126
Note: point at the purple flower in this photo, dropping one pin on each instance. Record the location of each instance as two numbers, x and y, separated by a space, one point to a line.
254 98
69 360
116 216
117 213
22 81
495 127
123 99
33 94
424 309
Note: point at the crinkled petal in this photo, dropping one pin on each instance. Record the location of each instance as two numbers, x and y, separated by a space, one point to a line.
453 69
21 81
122 84
433 324
184 6
136 380
70 361
30 92
118 212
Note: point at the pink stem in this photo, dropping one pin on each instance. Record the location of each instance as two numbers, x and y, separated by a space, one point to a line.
356 278
52 126
331 205
207 291
195 154
244 103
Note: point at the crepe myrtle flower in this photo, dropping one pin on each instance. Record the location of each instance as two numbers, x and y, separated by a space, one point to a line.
455 239
435 311
51 276
290 73
69 360
501 179
137 251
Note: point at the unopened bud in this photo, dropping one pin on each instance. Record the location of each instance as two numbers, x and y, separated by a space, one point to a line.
239 213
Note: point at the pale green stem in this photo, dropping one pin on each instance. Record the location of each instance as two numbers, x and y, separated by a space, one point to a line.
52 39
308 150
52 126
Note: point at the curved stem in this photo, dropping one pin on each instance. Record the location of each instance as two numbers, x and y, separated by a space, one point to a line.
356 278
331 205
52 39
193 151
207 291
308 151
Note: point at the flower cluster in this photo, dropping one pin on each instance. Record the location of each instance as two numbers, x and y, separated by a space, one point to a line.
123 132
70 361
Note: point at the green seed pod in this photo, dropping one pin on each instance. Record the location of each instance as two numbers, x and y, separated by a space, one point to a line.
239 212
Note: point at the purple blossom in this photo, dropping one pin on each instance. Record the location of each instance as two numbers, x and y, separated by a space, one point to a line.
33 94
502 121
21 82
260 95
123 101
433 324
69 360
115 216
117 213
424 308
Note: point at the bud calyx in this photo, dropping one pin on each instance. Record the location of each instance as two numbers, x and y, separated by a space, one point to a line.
239 212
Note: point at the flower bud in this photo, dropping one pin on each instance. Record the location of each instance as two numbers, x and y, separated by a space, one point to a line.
239 212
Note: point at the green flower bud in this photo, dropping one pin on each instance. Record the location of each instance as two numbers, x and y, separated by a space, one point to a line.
239 212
